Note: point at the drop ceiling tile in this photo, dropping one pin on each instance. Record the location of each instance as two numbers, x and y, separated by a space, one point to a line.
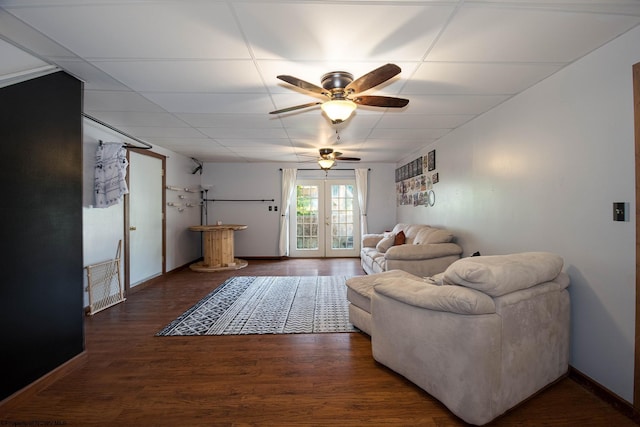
205 155
233 121
176 30
250 144
411 134
270 157
209 103
136 118
241 134
339 31
96 100
420 121
188 143
320 134
29 38
520 34
147 132
453 104
476 78
597 6
228 76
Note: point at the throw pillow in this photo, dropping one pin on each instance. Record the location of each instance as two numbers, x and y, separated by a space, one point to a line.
399 239
386 242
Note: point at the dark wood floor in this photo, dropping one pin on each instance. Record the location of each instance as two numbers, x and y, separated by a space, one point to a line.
132 378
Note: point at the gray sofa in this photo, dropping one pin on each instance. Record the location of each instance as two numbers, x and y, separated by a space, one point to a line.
481 337
426 250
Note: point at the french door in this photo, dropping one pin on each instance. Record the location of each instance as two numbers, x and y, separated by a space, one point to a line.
325 219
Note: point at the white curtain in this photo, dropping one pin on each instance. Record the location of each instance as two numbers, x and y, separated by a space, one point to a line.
288 185
361 189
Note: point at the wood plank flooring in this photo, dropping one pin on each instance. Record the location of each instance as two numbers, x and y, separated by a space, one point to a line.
132 378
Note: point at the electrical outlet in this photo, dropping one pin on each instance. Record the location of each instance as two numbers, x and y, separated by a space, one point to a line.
275 208
270 208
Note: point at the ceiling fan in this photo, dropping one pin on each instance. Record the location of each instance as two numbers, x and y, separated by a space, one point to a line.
328 158
343 91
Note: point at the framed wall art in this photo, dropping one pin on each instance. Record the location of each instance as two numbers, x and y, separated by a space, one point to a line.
431 160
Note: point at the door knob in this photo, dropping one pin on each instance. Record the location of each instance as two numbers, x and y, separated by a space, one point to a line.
132 228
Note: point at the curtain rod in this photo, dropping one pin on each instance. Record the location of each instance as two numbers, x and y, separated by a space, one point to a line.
239 200
345 169
100 122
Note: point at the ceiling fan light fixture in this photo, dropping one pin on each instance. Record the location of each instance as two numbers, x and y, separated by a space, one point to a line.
338 110
326 164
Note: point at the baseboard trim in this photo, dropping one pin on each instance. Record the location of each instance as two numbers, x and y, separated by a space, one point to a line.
47 379
605 394
158 278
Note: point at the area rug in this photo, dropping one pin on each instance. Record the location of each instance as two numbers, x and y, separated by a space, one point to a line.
248 305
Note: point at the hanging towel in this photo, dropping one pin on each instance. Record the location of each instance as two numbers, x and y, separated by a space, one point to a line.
110 174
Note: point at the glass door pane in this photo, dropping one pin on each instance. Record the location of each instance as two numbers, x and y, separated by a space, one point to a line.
307 217
344 215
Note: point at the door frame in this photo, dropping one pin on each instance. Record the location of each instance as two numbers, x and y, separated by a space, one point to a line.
127 219
636 119
324 208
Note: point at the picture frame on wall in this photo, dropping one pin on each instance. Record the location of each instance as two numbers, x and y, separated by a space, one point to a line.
435 178
431 160
418 166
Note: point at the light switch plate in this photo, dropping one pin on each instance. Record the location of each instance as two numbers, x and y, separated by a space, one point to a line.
620 211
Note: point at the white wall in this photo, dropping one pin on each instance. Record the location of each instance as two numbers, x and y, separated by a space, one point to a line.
103 228
263 181
541 172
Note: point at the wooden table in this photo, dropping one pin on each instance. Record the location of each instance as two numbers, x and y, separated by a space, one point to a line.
218 248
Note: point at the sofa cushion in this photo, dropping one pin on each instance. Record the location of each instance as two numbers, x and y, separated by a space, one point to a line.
371 240
501 274
432 235
440 236
453 299
437 279
399 239
386 242
412 230
360 288
423 234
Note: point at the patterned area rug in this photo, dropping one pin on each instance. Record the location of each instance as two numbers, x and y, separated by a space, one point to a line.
268 305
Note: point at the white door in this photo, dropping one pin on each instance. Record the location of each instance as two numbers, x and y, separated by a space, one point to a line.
145 218
325 219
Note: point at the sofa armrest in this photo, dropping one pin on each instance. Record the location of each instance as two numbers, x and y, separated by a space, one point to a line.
371 240
419 252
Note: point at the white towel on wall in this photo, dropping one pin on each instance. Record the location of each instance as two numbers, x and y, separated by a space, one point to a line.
110 174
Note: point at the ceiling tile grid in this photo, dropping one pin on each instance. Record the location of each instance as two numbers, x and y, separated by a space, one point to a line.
200 77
